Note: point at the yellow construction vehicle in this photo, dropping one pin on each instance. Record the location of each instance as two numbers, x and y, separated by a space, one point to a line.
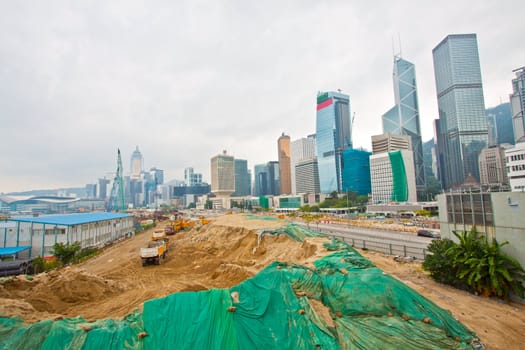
156 250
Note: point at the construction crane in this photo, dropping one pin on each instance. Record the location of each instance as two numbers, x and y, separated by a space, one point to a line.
116 198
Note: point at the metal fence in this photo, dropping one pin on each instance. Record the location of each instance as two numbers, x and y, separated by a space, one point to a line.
375 245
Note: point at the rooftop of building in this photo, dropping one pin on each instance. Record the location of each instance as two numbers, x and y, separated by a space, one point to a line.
70 219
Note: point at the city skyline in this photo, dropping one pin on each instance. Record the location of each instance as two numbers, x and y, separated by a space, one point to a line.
185 81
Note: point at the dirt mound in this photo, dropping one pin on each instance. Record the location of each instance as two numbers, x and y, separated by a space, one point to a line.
114 283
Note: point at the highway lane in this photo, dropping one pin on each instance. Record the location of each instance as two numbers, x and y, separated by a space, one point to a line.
385 241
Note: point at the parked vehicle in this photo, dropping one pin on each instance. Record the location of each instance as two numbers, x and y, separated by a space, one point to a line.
156 250
428 233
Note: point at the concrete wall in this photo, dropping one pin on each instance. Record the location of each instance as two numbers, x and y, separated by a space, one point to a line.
509 222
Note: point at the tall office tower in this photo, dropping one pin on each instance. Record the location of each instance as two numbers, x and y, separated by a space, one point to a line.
223 175
283 148
102 188
242 178
499 121
192 178
157 175
137 164
307 176
392 177
274 181
403 118
517 103
260 180
492 168
463 130
356 171
333 136
389 142
300 150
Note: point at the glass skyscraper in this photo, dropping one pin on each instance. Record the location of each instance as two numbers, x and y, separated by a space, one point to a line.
517 102
403 118
463 130
242 178
334 135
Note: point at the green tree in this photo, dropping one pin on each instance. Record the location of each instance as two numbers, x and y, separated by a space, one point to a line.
65 252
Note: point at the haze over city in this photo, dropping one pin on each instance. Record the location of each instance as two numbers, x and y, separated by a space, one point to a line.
186 80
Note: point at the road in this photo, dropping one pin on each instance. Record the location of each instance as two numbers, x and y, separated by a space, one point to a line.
385 241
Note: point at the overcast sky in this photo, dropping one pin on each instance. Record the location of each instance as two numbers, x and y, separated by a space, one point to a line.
184 80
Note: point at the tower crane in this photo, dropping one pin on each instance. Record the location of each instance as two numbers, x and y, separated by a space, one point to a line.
116 198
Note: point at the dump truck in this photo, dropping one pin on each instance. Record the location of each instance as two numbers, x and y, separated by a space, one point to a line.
156 250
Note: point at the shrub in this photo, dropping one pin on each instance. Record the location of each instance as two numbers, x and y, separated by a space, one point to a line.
65 252
439 263
475 264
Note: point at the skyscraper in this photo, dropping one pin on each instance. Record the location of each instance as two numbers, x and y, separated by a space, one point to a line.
283 148
260 180
242 178
356 171
307 176
137 164
463 130
300 150
517 104
333 136
223 175
403 118
192 178
392 177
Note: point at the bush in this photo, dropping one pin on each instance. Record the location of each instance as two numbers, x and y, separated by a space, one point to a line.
85 254
439 263
476 265
41 265
65 252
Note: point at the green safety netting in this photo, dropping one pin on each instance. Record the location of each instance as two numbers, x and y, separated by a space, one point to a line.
294 231
272 310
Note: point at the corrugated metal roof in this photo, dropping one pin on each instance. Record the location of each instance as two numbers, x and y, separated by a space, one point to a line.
70 219
13 250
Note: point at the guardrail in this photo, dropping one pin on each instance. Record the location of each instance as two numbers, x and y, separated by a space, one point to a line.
375 245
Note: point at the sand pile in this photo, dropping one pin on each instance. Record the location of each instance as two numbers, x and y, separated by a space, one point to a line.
114 283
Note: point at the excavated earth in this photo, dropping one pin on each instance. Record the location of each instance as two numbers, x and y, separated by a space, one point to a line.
220 255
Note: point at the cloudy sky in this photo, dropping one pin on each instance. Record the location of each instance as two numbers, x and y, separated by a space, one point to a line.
184 80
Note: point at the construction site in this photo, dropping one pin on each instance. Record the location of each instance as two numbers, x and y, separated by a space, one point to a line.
242 281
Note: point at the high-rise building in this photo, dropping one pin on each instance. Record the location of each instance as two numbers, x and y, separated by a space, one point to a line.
274 181
390 142
392 177
157 175
302 149
242 178
192 178
463 130
223 175
102 188
499 121
356 171
492 168
137 164
515 159
260 180
307 176
283 149
403 118
333 136
517 103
